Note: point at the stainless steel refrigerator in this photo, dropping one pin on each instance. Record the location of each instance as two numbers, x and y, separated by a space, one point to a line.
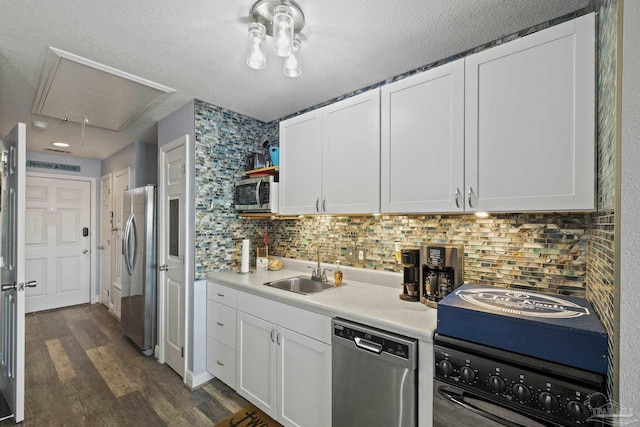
138 310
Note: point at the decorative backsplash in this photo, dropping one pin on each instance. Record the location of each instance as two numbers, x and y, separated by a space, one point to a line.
545 252
601 256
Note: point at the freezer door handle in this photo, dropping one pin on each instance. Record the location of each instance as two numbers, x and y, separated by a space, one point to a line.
129 245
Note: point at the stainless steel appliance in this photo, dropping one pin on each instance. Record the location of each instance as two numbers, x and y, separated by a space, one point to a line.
257 195
410 259
374 376
138 303
442 271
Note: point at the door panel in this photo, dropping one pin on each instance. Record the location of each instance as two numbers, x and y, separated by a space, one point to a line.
106 224
13 270
57 253
172 246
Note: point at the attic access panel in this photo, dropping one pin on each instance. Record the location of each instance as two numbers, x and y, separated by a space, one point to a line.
76 87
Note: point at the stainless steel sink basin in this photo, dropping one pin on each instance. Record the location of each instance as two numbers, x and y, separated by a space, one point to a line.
300 285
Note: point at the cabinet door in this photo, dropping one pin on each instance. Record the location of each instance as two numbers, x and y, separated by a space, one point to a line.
422 155
530 122
351 155
300 160
304 380
256 353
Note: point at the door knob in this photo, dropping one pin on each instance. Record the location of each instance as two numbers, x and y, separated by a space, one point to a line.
9 287
86 251
163 267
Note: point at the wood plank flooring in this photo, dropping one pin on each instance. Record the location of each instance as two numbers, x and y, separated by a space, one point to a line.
81 371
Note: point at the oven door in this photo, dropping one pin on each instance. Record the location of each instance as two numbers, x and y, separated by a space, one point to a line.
453 406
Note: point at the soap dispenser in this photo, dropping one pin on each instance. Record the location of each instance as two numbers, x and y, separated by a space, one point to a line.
337 276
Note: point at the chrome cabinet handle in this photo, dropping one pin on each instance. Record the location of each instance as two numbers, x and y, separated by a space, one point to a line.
278 337
86 251
324 205
470 194
164 267
220 324
318 204
457 197
9 287
272 338
220 295
219 363
31 284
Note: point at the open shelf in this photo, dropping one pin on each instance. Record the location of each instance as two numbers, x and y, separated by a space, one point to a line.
271 170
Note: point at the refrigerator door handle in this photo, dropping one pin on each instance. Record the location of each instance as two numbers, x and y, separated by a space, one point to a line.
134 235
126 244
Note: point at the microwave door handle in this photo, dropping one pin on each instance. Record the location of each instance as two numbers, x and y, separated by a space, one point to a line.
457 397
258 185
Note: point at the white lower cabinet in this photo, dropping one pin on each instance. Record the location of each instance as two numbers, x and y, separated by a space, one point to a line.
221 333
281 371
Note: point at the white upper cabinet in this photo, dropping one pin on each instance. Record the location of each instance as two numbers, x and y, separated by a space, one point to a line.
422 140
330 158
529 122
300 164
351 155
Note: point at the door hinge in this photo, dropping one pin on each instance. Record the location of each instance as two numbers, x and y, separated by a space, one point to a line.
184 169
182 259
181 351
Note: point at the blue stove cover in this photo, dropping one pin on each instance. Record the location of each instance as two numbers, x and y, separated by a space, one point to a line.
560 329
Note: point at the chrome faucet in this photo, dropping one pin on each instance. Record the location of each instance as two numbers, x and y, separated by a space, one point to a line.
317 273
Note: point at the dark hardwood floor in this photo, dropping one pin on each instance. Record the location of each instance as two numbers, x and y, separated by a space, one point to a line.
81 371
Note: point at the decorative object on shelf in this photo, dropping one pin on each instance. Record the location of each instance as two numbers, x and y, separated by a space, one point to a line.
282 20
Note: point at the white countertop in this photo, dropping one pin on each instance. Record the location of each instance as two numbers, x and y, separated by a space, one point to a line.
366 296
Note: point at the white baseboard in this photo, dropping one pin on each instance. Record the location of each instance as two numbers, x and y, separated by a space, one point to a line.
198 381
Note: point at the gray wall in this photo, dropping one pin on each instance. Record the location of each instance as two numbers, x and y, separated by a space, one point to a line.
630 212
88 167
180 122
141 158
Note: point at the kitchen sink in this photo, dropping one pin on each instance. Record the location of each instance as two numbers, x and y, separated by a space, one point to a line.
300 285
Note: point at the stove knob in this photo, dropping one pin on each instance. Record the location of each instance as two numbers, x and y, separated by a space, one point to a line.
548 401
467 375
521 392
578 411
496 384
445 367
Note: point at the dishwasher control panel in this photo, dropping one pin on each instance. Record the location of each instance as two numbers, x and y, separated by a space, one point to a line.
369 340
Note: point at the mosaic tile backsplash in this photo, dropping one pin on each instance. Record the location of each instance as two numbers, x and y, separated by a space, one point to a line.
545 252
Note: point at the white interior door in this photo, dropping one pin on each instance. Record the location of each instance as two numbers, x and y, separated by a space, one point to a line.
121 182
171 243
106 224
58 242
13 270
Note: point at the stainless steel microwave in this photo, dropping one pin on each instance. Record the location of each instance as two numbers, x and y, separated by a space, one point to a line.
257 195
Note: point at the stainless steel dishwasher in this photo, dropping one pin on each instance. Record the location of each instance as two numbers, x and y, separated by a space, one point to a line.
374 377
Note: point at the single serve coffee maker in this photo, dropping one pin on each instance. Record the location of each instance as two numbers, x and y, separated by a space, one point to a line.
410 259
441 272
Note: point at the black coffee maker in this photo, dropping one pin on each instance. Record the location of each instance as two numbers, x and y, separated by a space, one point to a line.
410 259
442 271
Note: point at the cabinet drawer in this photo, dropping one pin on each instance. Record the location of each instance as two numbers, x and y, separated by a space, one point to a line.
221 362
222 294
221 323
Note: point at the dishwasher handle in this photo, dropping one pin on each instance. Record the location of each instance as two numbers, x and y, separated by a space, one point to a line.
368 345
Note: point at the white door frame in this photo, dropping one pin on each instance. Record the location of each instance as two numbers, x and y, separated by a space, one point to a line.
189 263
95 296
101 251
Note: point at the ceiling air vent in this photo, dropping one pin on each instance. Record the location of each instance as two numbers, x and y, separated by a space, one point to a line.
57 150
85 91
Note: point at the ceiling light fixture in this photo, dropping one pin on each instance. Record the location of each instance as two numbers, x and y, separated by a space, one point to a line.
60 144
40 124
282 20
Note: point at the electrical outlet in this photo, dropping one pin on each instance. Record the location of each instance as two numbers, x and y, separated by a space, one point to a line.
360 255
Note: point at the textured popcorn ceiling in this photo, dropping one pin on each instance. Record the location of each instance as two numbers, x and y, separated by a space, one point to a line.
198 48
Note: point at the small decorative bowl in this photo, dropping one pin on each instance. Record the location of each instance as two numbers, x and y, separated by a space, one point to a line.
275 264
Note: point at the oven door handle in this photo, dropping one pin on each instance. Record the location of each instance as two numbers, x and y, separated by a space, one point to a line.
457 397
